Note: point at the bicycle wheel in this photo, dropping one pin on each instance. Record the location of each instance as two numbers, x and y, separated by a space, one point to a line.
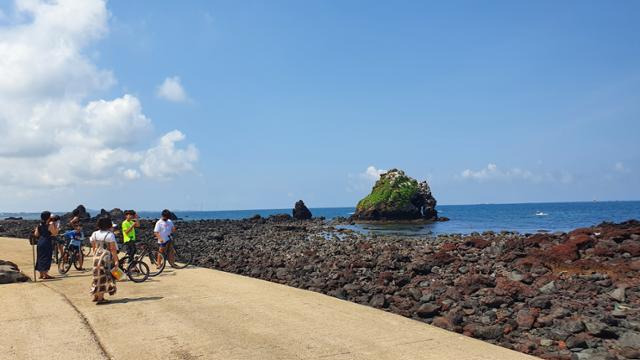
124 263
151 259
56 256
182 256
138 271
86 248
65 263
77 261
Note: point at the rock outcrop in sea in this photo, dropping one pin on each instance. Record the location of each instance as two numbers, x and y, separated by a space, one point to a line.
301 211
396 196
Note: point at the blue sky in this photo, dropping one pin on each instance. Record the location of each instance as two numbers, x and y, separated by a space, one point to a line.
489 101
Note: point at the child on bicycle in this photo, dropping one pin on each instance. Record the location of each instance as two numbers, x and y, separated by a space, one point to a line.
74 240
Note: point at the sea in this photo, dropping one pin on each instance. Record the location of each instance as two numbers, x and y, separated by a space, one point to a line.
464 219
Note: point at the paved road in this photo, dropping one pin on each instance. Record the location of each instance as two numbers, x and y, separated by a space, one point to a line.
198 313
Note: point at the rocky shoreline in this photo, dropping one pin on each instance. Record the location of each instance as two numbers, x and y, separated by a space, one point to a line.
558 296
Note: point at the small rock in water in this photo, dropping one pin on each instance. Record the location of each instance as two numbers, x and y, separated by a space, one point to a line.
300 211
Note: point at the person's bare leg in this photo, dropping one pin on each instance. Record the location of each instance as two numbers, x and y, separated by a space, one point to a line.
171 253
159 259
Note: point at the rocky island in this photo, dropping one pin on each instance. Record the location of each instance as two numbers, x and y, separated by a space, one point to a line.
397 197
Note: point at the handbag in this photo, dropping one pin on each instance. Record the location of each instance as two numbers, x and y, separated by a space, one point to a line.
117 273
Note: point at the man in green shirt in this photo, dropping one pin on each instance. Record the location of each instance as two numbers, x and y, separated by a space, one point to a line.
129 226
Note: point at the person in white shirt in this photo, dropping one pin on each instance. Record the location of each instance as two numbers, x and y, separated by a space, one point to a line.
105 258
163 230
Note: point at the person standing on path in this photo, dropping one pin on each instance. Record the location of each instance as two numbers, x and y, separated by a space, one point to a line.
163 230
105 258
129 226
45 232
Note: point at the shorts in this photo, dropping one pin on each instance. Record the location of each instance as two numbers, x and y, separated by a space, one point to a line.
74 247
165 244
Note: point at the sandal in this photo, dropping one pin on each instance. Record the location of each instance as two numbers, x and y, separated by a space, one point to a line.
48 277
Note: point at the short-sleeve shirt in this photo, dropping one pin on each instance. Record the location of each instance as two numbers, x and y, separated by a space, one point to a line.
164 228
126 225
102 237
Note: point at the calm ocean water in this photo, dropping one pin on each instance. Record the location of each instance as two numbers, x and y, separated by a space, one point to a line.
530 217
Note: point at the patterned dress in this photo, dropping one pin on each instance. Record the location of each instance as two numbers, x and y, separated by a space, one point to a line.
103 282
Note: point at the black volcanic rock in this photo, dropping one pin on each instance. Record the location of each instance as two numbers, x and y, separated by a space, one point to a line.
80 211
101 214
10 273
301 212
116 215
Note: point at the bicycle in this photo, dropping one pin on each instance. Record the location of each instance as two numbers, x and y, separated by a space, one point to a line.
86 245
69 257
149 255
137 271
181 254
56 241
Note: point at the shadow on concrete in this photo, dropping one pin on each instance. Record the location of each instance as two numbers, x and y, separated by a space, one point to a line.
128 300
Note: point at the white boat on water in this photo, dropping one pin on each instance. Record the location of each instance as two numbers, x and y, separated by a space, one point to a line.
540 213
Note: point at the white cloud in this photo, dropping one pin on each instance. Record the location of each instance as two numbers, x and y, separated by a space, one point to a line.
364 181
131 174
621 168
372 173
165 159
55 132
493 173
171 89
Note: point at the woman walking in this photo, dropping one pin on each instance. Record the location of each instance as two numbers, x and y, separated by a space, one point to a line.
105 258
45 232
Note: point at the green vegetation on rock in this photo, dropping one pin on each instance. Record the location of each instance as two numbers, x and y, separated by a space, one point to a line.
396 196
392 190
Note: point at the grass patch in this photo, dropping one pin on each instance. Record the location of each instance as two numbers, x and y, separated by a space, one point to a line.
390 192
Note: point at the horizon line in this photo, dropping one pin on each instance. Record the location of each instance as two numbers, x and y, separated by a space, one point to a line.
341 207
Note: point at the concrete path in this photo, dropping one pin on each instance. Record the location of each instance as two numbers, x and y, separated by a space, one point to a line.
198 313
